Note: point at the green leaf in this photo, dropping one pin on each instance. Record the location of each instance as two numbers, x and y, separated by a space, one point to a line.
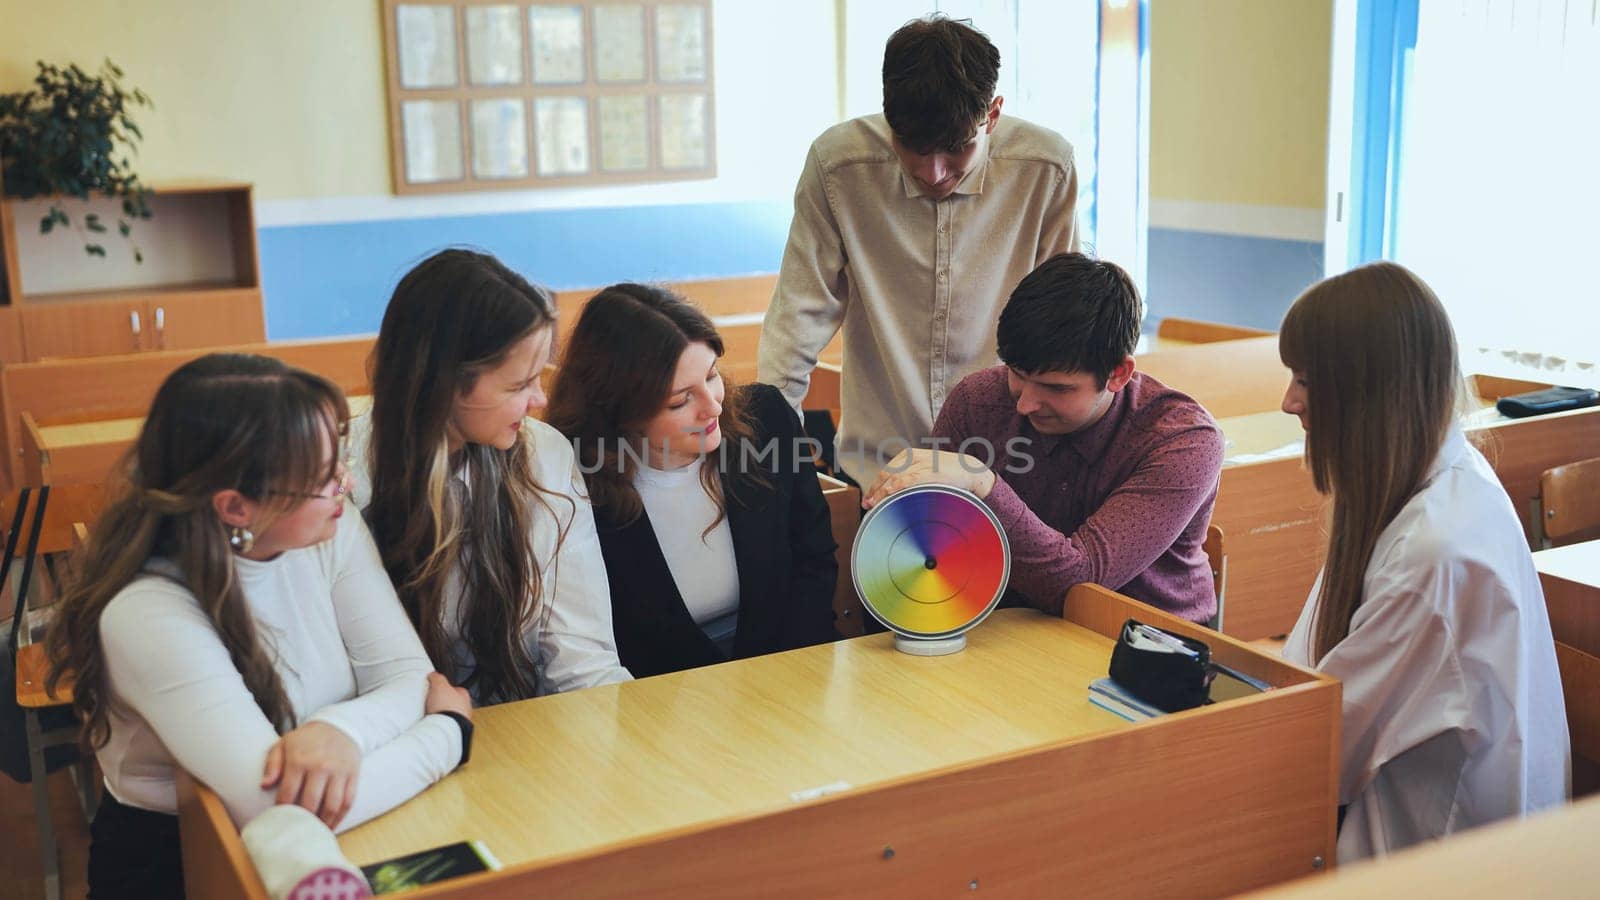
137 256
94 250
124 228
45 224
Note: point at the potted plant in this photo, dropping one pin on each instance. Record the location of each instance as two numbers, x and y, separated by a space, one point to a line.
72 136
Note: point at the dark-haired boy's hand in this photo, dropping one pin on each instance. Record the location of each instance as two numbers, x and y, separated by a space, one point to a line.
913 467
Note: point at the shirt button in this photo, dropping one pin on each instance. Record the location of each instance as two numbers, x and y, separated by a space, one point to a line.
943 276
941 229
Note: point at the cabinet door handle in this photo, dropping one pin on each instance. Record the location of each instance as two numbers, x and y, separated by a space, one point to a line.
161 328
133 325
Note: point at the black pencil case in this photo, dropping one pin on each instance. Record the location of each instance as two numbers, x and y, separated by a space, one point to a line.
1549 400
1165 677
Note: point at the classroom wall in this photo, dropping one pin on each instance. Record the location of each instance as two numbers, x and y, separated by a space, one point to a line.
1238 148
289 95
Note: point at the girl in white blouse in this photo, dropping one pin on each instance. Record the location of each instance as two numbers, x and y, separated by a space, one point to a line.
1428 607
478 510
228 619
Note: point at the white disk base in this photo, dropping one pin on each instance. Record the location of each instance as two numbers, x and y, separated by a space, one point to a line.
930 647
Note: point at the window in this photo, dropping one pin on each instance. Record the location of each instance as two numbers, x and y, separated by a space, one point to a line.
1484 183
486 96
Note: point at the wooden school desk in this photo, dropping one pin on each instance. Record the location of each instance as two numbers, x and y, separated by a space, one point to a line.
1570 577
852 768
1550 856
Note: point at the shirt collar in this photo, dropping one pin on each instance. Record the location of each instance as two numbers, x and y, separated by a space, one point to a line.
1091 441
1450 450
971 184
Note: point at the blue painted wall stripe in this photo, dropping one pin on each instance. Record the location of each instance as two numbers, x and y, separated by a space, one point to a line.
323 280
1228 278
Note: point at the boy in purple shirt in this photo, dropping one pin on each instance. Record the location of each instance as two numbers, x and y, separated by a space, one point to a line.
1097 472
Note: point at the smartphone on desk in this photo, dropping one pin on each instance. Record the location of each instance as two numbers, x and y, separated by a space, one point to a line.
414 870
1231 684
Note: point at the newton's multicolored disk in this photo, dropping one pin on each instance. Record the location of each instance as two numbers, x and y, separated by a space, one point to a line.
930 561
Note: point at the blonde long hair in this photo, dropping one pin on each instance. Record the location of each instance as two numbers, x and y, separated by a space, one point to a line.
221 422
456 315
1383 386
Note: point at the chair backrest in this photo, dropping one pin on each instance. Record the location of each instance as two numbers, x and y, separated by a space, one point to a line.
42 521
1219 569
1197 331
844 511
69 505
1569 501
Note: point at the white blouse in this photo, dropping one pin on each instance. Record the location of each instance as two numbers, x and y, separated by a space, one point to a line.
703 568
344 649
570 641
1453 715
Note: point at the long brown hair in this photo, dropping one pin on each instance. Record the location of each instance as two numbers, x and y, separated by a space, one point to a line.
223 421
616 374
1378 355
456 315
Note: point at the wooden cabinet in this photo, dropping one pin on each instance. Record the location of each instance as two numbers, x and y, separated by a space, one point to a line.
170 321
205 319
81 329
199 284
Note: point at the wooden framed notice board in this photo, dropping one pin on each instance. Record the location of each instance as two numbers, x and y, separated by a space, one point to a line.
488 95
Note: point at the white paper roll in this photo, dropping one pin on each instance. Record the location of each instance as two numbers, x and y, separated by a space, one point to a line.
298 856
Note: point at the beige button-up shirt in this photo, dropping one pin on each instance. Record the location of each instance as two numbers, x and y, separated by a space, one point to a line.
916 284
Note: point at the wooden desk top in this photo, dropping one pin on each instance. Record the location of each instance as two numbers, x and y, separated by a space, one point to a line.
126 431
1549 856
1150 342
1578 563
575 772
1275 433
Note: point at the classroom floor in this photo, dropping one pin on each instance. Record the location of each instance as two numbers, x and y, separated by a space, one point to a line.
19 845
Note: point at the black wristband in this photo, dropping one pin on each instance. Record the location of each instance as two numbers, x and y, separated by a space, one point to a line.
466 735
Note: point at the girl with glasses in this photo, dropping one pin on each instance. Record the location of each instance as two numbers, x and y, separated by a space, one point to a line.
230 620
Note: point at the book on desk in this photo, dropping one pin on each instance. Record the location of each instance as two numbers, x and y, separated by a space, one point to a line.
1226 684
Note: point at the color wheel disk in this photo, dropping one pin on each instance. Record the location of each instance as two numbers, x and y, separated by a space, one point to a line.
930 561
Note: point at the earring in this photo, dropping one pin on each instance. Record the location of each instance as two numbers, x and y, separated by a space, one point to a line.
241 539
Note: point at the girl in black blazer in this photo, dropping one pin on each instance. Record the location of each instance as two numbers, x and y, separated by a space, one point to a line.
715 533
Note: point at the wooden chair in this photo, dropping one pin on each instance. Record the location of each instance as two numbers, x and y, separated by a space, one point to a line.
1219 569
844 508
46 530
1569 502
1196 331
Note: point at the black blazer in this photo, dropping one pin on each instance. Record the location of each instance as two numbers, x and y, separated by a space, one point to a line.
782 544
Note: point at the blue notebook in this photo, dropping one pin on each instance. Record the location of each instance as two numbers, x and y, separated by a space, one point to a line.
1110 696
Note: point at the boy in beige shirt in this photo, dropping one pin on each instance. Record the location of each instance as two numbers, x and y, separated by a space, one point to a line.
910 229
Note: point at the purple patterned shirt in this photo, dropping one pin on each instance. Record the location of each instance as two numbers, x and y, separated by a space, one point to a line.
1123 503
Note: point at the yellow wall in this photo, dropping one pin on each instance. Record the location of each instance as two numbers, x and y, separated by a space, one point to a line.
290 94
1239 101
230 78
